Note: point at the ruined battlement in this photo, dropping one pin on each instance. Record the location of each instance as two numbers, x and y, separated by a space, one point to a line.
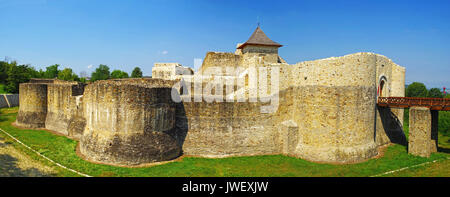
129 122
325 109
33 80
170 71
141 82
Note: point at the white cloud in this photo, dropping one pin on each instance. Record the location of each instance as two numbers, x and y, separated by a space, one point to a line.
90 66
164 52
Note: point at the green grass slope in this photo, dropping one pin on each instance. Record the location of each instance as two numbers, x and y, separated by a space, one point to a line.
62 150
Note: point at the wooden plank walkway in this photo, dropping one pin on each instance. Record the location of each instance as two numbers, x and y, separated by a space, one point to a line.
440 104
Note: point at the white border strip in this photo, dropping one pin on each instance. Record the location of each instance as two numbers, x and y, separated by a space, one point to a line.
413 166
72 170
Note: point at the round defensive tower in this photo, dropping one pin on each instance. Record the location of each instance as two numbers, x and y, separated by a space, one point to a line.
61 106
33 105
335 102
129 122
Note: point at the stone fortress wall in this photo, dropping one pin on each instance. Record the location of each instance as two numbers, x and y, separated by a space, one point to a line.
326 111
63 107
170 70
389 126
32 105
129 122
334 101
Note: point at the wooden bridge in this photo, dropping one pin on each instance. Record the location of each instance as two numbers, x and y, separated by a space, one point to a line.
423 121
439 104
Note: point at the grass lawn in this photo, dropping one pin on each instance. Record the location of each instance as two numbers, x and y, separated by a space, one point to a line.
62 150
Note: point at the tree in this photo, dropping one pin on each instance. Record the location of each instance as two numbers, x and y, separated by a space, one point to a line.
41 73
4 67
435 93
16 75
68 75
444 120
416 89
118 74
137 73
34 73
52 71
100 73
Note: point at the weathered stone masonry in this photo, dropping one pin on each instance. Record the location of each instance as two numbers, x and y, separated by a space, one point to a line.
327 111
64 107
422 131
33 105
129 123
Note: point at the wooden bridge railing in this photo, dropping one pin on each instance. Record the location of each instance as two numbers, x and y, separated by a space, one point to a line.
441 104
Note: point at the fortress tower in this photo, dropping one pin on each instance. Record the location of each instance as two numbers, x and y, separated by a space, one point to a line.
260 45
327 109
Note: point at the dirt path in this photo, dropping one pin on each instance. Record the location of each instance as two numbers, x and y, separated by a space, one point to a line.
14 163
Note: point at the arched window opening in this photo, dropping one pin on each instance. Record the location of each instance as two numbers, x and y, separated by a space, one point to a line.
380 94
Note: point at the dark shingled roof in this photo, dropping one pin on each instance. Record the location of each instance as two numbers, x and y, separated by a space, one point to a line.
259 38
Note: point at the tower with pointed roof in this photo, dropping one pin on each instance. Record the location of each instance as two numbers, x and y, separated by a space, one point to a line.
261 45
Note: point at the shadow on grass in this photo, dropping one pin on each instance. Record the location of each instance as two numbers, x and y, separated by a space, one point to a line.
4 144
443 150
9 168
2 117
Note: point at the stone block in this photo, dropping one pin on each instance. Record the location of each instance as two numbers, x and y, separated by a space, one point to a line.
33 105
419 131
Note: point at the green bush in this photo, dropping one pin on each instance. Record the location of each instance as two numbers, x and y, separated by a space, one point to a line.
444 122
406 115
136 73
4 68
435 93
2 89
68 75
19 74
118 74
101 73
416 89
12 74
51 72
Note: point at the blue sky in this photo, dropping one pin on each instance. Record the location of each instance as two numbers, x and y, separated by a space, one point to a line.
125 34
